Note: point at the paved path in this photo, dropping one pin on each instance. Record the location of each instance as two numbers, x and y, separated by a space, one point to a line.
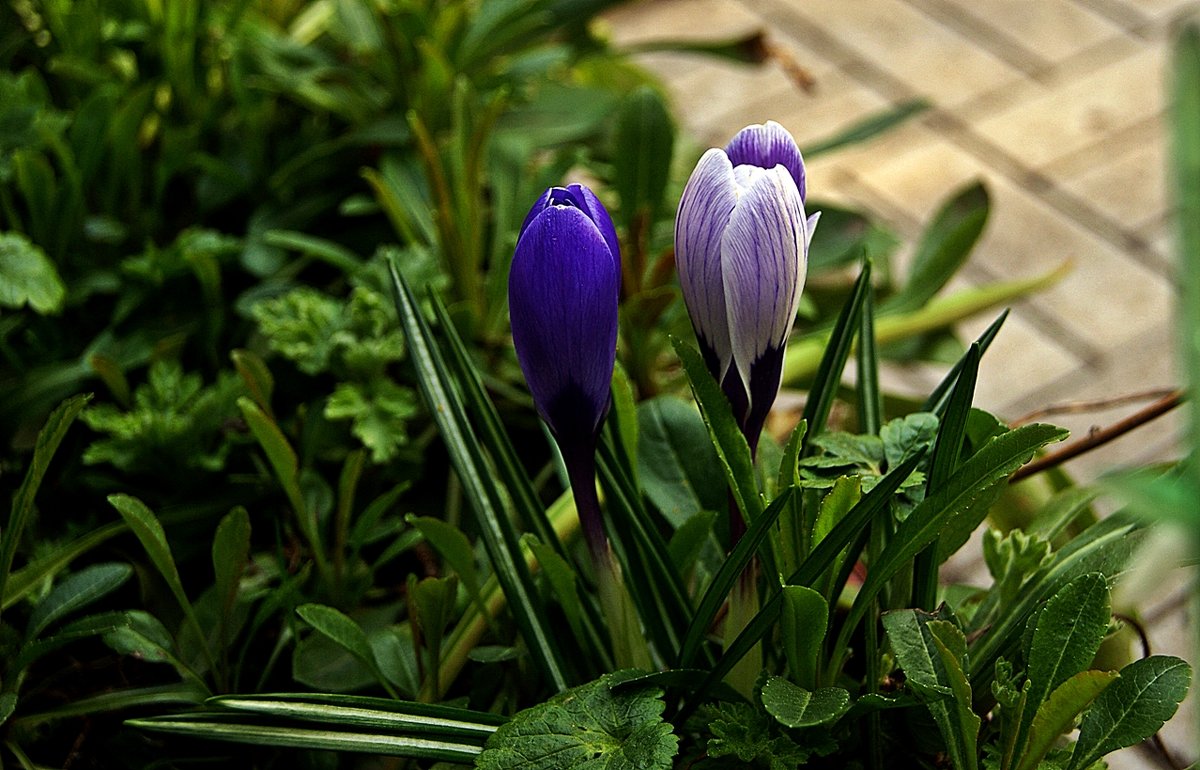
1058 105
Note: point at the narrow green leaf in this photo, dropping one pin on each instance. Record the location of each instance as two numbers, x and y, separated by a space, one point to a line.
802 632
870 402
257 377
789 471
733 566
1185 151
828 377
25 580
1133 708
88 626
1056 716
49 437
564 584
321 249
794 706
624 417
689 540
952 652
943 462
869 127
726 437
944 247
959 506
499 536
811 569
176 694
368 713
430 608
8 704
150 534
75 592
939 397
237 728
1053 518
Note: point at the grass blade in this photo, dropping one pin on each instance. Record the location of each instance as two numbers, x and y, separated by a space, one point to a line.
939 398
499 537
829 374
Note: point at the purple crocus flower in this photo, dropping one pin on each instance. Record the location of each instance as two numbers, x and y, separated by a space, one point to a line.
563 290
741 250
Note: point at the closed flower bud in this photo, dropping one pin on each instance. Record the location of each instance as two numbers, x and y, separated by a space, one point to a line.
563 290
741 250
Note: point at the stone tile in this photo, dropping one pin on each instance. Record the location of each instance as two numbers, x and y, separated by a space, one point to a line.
909 46
1081 112
642 22
1051 29
1130 187
1164 9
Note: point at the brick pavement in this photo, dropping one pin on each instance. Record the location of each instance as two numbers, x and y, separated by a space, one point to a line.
1057 105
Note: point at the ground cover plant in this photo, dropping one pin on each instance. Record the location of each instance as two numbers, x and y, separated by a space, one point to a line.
283 491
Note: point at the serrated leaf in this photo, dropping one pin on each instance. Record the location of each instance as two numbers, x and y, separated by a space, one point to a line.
906 435
75 592
1056 716
586 728
28 277
1133 708
378 411
794 706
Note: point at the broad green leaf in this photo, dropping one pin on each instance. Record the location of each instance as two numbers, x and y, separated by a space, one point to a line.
346 634
944 247
802 631
731 569
587 726
727 438
454 547
679 470
28 277
76 591
150 534
430 607
794 706
145 637
1066 637
644 139
499 536
689 540
49 437
1056 716
230 556
1133 708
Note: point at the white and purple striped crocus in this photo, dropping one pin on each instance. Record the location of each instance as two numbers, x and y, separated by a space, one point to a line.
741 250
563 290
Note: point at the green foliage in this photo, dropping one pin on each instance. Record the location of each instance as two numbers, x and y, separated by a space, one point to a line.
174 421
743 736
589 726
27 276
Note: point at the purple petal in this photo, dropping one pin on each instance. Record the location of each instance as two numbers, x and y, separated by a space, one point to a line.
767 146
763 263
582 198
563 291
704 210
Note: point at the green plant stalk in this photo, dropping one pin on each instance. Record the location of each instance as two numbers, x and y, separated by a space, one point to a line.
743 606
804 354
473 624
628 642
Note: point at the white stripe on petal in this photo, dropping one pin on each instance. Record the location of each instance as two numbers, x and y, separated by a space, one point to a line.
763 264
704 210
